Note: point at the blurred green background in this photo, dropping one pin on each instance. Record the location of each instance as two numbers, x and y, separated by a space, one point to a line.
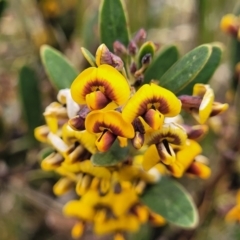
28 208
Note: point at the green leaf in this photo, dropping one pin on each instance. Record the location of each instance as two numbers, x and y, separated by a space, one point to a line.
206 73
3 5
169 199
146 48
89 57
59 70
184 71
113 156
112 23
161 63
30 98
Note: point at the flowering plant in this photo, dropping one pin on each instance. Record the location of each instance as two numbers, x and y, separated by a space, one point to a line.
116 130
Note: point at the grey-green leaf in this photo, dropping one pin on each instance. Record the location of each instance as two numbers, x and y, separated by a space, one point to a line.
113 23
184 71
113 156
167 57
29 94
59 70
169 199
206 73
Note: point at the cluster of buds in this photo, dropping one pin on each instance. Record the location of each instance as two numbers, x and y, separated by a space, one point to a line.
104 109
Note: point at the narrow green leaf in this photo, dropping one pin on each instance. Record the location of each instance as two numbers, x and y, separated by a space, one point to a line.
59 70
161 63
3 5
113 156
30 98
113 23
186 69
169 199
206 73
146 48
89 57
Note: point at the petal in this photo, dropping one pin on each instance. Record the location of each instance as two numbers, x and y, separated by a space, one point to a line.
58 143
100 172
97 100
199 169
151 96
87 140
41 133
52 161
166 153
83 185
156 219
172 132
184 158
97 121
105 141
151 158
218 108
64 97
154 119
62 186
207 101
233 214
79 209
77 230
106 78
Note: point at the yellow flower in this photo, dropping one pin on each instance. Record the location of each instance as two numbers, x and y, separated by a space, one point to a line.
201 104
152 103
186 161
62 186
231 24
55 115
41 133
97 87
171 134
109 125
234 213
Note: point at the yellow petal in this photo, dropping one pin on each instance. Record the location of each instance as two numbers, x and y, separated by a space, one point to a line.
41 133
52 161
156 219
62 186
233 214
184 158
151 158
77 230
96 100
105 141
206 105
104 78
79 209
151 96
97 121
199 169
228 23
154 119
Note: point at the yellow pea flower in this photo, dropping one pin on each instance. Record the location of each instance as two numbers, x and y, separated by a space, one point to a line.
152 103
109 125
97 87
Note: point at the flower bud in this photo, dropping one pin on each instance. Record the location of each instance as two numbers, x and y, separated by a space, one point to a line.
104 56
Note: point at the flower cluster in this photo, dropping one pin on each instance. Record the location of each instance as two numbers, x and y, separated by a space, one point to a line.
108 107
